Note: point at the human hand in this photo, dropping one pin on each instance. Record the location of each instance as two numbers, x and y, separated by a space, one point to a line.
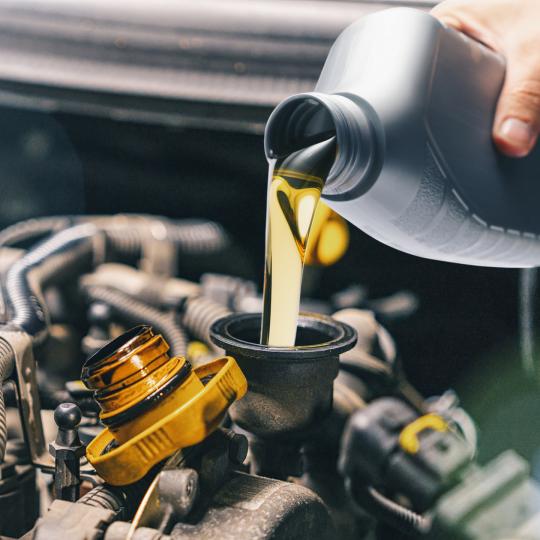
512 28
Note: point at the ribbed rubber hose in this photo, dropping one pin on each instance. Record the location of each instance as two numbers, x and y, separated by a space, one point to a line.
122 500
195 237
191 237
104 496
32 228
388 511
136 312
6 367
200 313
62 251
127 234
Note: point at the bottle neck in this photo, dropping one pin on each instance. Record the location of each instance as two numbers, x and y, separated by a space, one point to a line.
305 119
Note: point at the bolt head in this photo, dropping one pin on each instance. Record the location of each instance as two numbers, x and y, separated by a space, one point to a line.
65 453
67 416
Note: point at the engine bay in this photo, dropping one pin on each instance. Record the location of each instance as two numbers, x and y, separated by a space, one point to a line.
137 402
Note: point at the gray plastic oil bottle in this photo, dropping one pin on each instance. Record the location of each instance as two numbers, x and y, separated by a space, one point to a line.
411 103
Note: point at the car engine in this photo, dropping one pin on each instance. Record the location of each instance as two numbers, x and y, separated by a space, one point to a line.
135 400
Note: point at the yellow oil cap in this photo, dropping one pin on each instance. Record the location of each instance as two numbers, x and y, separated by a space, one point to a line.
153 404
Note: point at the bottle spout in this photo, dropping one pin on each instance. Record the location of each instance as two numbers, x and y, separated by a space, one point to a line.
307 119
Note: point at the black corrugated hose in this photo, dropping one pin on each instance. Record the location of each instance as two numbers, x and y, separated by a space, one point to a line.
73 245
27 309
136 312
74 249
66 249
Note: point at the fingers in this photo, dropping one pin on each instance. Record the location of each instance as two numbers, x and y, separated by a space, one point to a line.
462 15
511 28
448 12
517 120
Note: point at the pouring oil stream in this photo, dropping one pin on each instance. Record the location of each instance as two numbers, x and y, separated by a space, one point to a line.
294 190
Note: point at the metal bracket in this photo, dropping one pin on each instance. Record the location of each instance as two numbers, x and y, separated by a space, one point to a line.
28 397
158 253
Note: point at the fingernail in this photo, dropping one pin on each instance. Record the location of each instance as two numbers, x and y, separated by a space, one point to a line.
517 133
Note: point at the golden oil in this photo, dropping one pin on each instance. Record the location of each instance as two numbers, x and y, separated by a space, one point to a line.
295 185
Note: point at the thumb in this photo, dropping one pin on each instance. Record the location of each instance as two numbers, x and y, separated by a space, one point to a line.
517 120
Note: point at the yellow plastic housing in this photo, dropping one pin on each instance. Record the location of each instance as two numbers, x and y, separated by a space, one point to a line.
408 438
147 422
328 237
